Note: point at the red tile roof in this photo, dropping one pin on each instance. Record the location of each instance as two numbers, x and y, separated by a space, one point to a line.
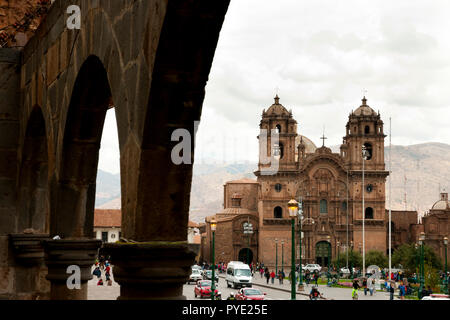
108 218
192 224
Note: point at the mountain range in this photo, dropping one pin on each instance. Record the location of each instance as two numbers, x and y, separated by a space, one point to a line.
419 173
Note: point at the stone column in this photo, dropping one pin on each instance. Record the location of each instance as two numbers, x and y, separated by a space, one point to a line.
59 255
153 270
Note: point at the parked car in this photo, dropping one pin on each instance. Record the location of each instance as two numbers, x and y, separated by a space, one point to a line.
238 275
250 294
203 289
207 275
195 276
313 267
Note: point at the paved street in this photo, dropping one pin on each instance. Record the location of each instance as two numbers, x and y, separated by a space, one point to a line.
274 291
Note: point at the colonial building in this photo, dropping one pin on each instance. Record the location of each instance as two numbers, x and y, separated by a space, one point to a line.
328 185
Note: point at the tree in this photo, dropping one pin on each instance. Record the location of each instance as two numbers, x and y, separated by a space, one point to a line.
378 258
354 259
409 258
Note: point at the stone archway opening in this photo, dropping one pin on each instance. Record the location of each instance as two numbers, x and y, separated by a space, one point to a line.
74 186
245 255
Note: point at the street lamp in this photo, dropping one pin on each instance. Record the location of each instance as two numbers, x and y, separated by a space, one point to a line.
446 276
282 255
351 260
422 267
300 223
213 229
338 270
248 231
329 258
293 209
276 256
364 155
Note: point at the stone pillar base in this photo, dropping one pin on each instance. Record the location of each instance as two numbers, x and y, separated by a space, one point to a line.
59 255
152 270
28 248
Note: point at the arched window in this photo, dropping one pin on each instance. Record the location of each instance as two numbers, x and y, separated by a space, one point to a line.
344 206
281 150
278 127
323 206
369 150
369 213
367 130
278 213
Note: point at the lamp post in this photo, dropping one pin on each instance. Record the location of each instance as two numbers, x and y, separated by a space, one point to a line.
338 244
329 258
213 229
446 276
364 155
417 262
300 222
282 255
276 256
248 231
293 208
351 259
422 271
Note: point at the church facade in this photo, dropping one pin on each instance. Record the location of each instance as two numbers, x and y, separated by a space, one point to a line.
329 186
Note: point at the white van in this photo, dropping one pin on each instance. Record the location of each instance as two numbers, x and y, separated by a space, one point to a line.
238 275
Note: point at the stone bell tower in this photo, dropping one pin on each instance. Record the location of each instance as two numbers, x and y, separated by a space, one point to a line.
365 130
279 119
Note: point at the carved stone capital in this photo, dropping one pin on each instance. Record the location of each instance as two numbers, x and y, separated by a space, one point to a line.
151 270
60 254
28 248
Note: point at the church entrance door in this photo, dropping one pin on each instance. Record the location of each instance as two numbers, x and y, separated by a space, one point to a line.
244 253
322 253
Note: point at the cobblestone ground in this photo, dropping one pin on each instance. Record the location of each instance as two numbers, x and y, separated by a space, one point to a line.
273 293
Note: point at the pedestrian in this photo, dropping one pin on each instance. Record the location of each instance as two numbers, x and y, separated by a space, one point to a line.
267 275
108 274
391 290
364 284
307 277
100 282
261 271
401 291
316 277
371 286
355 289
280 277
272 276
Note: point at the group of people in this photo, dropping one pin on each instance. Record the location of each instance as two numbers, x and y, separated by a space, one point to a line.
102 265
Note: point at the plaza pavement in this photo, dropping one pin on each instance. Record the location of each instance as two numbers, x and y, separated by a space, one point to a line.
112 292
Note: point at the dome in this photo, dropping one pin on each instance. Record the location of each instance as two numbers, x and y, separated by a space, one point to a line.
442 204
277 109
310 147
364 110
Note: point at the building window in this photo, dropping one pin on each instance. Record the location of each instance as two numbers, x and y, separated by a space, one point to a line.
367 130
323 206
278 128
278 213
369 150
278 187
236 202
369 213
105 236
344 206
281 150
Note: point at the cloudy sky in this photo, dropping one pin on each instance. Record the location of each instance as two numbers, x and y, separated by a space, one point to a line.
322 55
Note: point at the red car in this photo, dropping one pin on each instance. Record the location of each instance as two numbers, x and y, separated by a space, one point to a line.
250 294
203 289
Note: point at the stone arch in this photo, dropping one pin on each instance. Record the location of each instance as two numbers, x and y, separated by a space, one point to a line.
33 205
73 201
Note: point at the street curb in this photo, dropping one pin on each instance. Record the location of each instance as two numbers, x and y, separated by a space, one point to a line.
279 289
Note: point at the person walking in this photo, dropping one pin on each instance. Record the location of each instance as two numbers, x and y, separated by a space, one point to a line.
267 275
364 284
391 290
307 277
272 276
280 277
371 286
316 277
401 291
355 289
